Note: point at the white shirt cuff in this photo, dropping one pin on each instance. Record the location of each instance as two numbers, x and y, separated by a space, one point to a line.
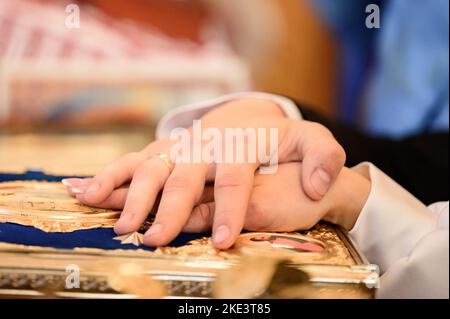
184 115
392 220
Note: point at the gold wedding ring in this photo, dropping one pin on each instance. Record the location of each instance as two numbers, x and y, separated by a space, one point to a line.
166 159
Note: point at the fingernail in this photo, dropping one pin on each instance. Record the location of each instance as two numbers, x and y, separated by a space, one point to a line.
321 180
73 182
221 234
154 230
77 191
81 189
93 187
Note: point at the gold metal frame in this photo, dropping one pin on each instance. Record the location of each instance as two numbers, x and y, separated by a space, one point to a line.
188 271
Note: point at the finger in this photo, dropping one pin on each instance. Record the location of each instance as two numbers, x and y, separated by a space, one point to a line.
201 218
148 179
232 191
323 159
73 185
114 201
111 177
181 192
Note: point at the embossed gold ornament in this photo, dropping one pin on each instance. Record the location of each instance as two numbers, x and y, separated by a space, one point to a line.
131 278
199 270
48 206
133 238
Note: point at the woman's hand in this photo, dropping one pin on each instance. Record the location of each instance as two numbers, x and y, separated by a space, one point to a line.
182 188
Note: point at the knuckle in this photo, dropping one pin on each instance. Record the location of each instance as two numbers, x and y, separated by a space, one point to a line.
122 162
159 145
319 128
177 184
143 170
127 158
342 155
130 156
228 180
105 180
337 153
107 172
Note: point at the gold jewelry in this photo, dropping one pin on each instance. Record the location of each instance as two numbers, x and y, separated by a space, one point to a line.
166 159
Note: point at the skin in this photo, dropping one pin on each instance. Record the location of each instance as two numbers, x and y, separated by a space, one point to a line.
291 209
287 210
134 182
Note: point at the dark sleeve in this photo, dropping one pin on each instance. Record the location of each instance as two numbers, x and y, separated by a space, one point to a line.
418 163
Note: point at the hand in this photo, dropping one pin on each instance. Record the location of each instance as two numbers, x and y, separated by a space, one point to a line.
309 142
279 203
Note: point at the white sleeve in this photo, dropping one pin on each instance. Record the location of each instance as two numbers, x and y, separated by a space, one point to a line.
406 239
184 115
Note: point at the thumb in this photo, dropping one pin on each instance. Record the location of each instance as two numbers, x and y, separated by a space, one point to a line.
322 157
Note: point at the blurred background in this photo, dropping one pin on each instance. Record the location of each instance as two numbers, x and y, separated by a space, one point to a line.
73 99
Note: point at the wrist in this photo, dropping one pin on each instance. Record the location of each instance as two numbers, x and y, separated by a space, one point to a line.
346 198
254 107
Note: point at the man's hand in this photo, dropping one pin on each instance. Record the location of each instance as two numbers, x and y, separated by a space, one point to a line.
279 202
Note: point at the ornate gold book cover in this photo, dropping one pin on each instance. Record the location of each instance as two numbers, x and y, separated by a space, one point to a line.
319 263
47 206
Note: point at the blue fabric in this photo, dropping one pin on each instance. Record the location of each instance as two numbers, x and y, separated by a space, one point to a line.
346 19
408 91
92 238
394 80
